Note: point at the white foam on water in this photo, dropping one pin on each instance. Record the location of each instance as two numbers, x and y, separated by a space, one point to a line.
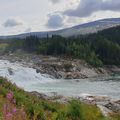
28 79
23 76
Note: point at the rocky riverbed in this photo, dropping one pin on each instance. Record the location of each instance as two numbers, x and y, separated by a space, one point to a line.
59 67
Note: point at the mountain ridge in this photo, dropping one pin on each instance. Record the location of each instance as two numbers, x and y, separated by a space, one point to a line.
82 29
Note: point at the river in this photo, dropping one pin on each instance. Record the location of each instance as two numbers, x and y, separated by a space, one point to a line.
28 79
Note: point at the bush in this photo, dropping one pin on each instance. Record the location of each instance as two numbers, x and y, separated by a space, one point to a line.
94 61
75 110
61 115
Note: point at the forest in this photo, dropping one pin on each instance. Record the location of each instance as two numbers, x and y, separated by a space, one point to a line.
101 48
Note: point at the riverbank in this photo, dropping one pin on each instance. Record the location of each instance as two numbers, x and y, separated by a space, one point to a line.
106 104
59 67
39 106
22 105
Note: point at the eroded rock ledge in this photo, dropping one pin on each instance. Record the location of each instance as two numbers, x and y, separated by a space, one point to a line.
60 67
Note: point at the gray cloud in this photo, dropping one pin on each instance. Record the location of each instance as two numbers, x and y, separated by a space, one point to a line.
28 30
12 22
88 7
54 1
55 21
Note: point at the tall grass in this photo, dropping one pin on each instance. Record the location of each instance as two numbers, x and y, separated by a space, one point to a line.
16 104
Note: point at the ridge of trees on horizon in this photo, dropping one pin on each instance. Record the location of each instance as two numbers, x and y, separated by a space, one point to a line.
97 49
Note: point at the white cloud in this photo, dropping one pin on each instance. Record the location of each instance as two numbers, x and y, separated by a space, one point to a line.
54 1
88 7
35 14
12 22
55 21
28 30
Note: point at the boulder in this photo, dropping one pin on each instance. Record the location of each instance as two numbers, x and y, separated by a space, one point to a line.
114 106
10 71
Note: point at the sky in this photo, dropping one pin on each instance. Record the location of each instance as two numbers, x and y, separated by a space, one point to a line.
22 16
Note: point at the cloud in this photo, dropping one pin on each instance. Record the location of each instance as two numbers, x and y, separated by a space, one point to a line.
54 1
88 7
28 30
55 21
13 22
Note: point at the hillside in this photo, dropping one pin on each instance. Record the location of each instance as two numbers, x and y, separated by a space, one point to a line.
82 29
16 104
97 49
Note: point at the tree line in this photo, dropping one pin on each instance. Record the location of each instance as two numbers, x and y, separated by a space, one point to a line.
97 49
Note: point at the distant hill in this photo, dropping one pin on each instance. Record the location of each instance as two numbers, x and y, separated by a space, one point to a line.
96 49
91 27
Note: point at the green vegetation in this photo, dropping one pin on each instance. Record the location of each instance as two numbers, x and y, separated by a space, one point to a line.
3 47
96 49
35 108
70 47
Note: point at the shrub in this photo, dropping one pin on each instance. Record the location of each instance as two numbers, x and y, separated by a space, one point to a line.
75 110
61 115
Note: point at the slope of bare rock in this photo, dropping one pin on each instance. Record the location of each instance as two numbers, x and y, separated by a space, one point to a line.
60 67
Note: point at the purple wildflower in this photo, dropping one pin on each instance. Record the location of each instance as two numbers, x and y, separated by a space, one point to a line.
9 116
10 96
14 110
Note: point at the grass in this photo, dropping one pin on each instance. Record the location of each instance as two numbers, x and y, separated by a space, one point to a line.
3 46
35 108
